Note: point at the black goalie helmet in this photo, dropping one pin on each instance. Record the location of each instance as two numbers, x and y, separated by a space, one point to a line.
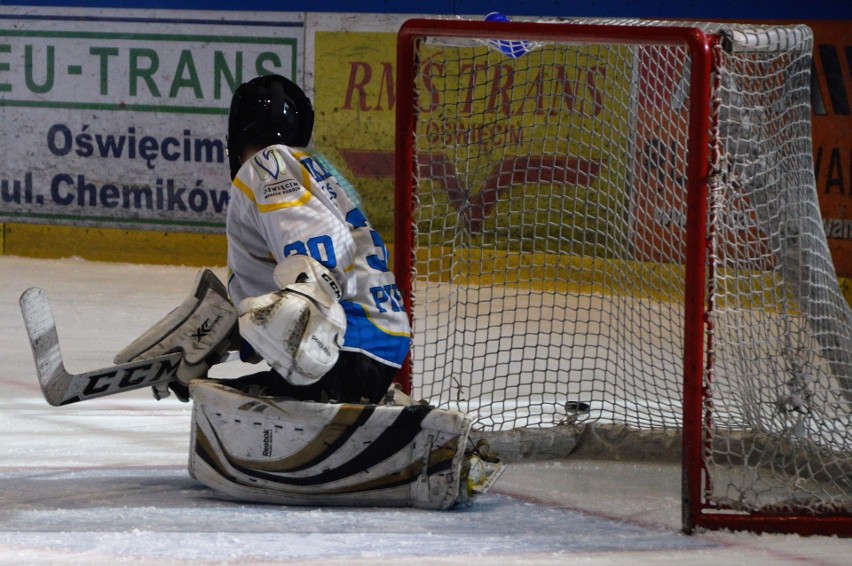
268 110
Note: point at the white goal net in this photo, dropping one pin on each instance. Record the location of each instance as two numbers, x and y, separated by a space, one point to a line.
615 223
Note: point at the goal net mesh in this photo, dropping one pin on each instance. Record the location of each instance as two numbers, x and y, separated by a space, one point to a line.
550 220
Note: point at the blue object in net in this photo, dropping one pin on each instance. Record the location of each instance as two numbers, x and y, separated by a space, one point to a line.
513 49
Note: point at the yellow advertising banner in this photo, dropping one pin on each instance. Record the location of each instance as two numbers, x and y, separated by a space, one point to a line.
354 91
354 96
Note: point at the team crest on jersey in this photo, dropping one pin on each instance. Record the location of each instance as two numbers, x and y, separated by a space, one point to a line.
281 189
269 164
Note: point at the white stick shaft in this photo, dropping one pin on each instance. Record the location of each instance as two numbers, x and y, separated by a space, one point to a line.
60 387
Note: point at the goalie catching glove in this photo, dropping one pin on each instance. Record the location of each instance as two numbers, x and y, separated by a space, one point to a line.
203 327
297 330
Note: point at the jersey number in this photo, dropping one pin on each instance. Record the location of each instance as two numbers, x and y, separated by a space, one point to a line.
378 261
320 248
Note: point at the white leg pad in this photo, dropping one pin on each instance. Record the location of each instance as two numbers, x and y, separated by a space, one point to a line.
289 452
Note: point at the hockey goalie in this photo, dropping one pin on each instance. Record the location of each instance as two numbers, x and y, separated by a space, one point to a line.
254 443
308 293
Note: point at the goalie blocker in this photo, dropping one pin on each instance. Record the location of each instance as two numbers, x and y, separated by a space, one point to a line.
276 450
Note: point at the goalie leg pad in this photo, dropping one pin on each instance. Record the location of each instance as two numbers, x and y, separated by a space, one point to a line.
274 450
203 327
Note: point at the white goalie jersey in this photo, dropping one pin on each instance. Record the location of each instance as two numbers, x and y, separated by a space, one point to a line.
284 202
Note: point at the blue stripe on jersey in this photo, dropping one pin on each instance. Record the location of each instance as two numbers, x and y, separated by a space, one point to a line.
362 334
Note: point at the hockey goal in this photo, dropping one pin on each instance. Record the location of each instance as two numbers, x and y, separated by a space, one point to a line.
613 225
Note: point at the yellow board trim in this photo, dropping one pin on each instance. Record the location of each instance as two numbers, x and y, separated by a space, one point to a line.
107 244
566 273
178 248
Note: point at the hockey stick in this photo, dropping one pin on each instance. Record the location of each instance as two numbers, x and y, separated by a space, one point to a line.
62 388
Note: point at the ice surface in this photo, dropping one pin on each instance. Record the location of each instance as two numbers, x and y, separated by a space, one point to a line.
105 482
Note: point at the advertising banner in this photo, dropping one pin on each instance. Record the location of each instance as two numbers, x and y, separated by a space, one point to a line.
119 120
354 92
832 132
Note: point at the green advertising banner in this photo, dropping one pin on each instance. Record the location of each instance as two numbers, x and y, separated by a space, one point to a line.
121 122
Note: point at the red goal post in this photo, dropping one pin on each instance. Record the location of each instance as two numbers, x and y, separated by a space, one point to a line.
516 175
